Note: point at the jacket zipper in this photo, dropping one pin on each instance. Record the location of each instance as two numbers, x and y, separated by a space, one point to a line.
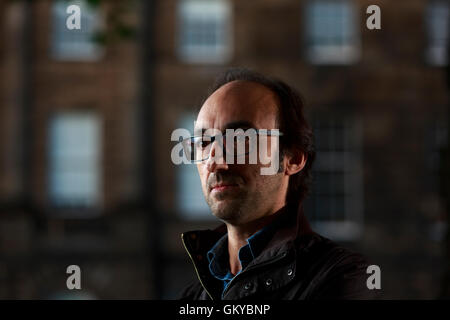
252 268
195 267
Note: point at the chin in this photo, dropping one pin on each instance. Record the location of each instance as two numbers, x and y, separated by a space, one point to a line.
227 210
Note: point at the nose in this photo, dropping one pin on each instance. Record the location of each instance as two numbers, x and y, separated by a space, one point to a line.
216 160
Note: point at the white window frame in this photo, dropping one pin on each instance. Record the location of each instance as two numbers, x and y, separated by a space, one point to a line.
347 53
349 163
75 45
438 34
190 200
75 139
197 10
436 140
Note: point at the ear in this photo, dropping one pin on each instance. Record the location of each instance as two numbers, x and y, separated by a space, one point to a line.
294 163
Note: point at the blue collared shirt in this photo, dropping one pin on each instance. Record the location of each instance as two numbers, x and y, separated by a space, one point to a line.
218 255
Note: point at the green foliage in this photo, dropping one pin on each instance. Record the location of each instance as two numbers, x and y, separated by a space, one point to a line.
116 28
94 3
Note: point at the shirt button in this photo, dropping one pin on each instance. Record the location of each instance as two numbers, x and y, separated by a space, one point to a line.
290 272
268 282
248 285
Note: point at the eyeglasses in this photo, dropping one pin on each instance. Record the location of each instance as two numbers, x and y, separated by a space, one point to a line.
236 143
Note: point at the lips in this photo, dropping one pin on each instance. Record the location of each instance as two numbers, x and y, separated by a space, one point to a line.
223 186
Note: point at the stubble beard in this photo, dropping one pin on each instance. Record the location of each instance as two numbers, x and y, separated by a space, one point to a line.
243 207
228 209
247 206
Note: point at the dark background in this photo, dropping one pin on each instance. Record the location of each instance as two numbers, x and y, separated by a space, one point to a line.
86 118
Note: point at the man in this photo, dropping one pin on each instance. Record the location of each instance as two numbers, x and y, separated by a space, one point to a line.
265 249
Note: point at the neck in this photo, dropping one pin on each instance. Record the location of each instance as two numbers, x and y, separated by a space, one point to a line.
238 235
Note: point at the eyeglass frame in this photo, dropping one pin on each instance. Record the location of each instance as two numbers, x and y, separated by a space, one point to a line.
266 132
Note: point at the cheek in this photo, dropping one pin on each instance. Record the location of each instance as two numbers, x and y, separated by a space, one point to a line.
268 149
269 185
202 174
249 173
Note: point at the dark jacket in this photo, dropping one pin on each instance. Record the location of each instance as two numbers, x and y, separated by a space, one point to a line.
296 264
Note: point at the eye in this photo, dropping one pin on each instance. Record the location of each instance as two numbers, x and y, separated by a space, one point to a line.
200 142
242 138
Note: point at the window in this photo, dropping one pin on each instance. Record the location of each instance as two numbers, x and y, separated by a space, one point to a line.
191 202
437 139
437 23
435 143
336 201
76 44
205 31
332 32
74 160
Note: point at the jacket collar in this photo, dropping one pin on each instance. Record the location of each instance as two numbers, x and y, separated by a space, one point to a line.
291 224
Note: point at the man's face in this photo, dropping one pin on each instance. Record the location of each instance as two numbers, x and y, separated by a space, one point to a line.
238 193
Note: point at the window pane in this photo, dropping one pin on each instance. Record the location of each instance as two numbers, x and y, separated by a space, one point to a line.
205 30
336 197
76 44
438 33
331 28
74 153
191 202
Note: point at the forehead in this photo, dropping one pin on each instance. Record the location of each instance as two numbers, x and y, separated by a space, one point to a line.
238 103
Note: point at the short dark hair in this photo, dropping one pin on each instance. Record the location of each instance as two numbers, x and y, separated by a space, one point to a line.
298 135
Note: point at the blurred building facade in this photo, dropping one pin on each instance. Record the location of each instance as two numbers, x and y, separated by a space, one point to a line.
77 122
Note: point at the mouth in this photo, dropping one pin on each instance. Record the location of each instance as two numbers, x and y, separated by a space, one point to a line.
223 187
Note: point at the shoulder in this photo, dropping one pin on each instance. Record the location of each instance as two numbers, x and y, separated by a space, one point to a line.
339 273
326 250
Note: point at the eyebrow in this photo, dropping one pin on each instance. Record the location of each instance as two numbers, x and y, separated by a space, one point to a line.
241 124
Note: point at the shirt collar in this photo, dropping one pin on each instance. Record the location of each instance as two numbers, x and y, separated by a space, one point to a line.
218 255
219 259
